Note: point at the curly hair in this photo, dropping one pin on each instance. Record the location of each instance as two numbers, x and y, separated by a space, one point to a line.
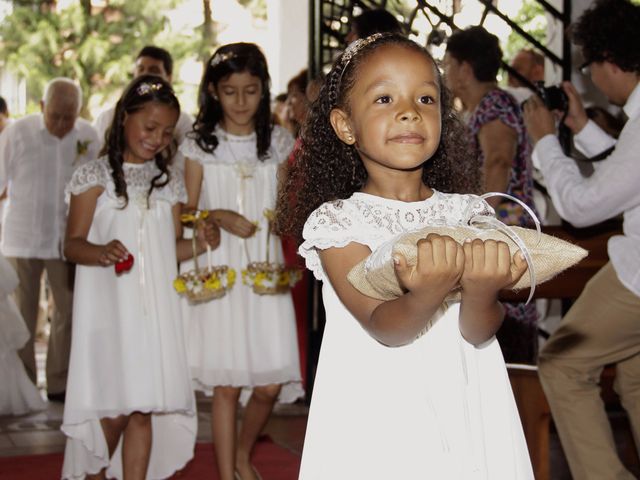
478 48
327 169
227 60
141 91
608 31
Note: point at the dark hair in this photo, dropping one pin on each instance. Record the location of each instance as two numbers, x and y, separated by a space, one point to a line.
478 48
608 31
3 106
300 81
159 54
281 97
141 90
327 169
227 60
373 21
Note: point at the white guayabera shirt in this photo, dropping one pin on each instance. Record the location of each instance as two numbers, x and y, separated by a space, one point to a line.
612 189
34 168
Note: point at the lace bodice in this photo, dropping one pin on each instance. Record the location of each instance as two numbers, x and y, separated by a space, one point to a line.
372 221
236 149
138 177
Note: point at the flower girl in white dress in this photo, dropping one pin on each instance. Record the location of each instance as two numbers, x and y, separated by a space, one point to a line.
243 345
130 410
414 387
18 394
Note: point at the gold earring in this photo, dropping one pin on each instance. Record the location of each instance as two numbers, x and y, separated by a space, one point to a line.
350 138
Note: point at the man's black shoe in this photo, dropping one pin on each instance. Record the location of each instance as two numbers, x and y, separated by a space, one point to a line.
57 397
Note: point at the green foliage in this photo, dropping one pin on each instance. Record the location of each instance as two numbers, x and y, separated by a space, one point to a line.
257 7
531 18
96 47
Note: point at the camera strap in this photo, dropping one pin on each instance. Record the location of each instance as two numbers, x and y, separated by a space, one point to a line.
602 155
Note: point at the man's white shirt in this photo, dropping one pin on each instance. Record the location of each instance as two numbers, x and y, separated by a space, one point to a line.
34 168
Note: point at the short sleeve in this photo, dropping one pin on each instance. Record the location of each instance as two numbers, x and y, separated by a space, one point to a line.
190 149
176 188
333 224
500 105
94 173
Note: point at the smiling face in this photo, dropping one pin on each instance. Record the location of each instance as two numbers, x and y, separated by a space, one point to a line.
239 95
148 131
394 110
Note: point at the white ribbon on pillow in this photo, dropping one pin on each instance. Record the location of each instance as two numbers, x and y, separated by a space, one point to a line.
487 222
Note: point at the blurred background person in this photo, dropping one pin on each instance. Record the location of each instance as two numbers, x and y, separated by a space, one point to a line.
151 60
373 21
4 114
499 138
37 156
602 326
529 64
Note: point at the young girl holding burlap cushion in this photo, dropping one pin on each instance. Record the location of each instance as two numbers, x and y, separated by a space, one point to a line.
390 400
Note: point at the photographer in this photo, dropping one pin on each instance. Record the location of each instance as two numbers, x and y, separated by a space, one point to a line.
603 326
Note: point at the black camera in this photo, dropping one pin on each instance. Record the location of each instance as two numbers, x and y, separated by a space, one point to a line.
553 97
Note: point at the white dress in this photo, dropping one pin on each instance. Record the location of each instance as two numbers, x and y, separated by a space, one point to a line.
242 339
18 395
127 350
438 408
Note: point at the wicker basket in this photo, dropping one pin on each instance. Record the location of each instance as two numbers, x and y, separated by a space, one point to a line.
203 284
270 278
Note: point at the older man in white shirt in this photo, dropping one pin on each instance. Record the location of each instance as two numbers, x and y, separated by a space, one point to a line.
603 325
37 156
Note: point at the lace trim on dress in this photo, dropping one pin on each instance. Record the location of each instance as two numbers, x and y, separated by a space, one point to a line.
94 173
371 221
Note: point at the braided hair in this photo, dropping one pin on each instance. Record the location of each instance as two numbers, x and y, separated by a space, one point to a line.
141 91
227 60
327 169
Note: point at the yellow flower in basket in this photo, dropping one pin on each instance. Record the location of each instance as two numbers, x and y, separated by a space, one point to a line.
267 278
202 284
179 285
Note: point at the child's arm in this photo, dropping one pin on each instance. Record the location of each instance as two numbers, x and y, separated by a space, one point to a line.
76 247
231 221
206 233
488 269
398 322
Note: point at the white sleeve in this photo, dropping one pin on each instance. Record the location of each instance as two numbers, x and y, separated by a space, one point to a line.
609 191
333 224
86 176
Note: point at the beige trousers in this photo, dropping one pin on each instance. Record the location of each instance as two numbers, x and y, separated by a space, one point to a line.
601 328
60 275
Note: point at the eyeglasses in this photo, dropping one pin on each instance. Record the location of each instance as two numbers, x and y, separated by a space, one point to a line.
585 68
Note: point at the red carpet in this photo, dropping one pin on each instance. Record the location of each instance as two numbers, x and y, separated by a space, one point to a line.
272 462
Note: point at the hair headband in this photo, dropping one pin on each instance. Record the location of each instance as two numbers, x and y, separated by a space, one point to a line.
218 58
353 48
146 88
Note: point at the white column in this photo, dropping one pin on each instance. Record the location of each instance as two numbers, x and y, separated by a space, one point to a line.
288 49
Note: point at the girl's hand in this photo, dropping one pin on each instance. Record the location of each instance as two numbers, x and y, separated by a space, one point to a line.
112 252
208 234
489 268
234 223
440 265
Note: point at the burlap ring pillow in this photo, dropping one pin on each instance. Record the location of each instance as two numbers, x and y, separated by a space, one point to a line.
546 255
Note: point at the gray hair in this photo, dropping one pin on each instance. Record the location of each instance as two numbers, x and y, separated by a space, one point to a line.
60 83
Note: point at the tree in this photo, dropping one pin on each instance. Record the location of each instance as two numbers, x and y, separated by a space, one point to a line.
94 46
532 19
